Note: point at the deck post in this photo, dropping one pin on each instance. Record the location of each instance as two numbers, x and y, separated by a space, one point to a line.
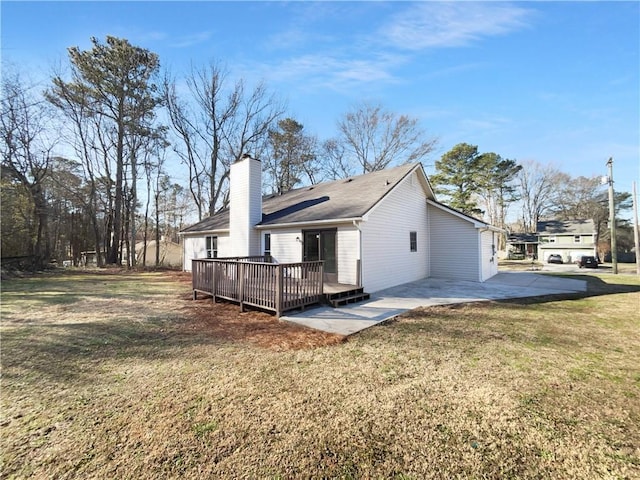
214 280
240 272
193 279
279 291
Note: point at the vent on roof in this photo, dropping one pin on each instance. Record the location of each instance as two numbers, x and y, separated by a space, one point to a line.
348 180
387 182
310 188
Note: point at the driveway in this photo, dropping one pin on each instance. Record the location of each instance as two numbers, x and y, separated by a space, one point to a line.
391 302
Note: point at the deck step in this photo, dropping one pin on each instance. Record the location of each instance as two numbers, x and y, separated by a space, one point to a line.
349 299
344 293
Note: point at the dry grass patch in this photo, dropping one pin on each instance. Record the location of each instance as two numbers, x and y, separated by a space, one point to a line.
128 378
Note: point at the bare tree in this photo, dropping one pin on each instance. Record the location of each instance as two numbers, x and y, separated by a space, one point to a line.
218 123
89 137
26 146
537 188
374 138
334 162
292 156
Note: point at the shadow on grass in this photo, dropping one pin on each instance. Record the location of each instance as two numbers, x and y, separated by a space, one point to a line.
76 351
596 286
67 288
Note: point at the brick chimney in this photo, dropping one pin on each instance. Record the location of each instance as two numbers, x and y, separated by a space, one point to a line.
245 199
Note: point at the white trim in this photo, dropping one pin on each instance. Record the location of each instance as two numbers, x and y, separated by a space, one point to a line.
204 232
476 223
424 182
312 223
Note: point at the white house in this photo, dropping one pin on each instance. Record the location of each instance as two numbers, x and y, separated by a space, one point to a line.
375 230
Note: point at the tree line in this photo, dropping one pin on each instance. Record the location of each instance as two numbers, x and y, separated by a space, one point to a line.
124 125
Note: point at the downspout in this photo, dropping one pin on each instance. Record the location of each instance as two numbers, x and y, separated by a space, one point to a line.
359 270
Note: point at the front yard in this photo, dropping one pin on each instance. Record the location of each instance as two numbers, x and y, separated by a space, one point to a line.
123 376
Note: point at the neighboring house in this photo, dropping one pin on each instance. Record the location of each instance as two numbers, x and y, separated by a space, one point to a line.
376 230
571 239
521 246
170 253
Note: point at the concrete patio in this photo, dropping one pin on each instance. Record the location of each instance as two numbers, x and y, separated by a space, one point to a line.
391 302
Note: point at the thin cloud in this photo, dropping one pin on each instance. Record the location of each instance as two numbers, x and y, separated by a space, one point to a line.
152 36
375 57
191 40
452 24
334 71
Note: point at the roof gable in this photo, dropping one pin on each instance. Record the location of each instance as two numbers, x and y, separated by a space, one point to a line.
349 198
480 224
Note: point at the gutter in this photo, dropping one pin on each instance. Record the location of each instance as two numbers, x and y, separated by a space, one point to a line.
492 228
200 232
307 223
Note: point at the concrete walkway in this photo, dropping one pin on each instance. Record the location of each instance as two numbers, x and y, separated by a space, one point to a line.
391 302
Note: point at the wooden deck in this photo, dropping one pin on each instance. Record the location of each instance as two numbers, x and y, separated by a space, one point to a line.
254 281
331 288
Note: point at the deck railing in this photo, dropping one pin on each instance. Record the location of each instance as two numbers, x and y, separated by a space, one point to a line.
278 287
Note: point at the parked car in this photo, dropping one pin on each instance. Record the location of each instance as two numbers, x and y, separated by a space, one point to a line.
588 262
555 258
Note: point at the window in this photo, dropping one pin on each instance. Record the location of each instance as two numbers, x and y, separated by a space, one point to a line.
576 239
212 247
413 241
267 245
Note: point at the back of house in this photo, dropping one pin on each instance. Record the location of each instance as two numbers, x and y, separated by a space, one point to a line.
375 230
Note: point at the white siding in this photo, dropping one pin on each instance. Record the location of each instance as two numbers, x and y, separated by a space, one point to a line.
191 245
284 246
348 251
455 246
386 259
489 240
286 249
195 247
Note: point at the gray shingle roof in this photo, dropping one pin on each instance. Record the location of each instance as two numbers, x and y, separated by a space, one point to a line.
522 238
566 227
337 200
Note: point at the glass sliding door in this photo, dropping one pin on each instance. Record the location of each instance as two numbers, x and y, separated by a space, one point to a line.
321 245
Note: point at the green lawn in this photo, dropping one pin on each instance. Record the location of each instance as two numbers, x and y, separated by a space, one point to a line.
111 376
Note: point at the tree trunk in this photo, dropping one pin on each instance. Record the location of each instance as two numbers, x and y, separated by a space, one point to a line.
114 252
42 249
157 229
133 210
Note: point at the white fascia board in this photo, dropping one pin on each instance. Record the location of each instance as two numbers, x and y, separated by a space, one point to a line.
493 228
476 223
422 178
203 232
312 223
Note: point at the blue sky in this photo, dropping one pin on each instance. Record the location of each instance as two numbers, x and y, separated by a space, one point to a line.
555 82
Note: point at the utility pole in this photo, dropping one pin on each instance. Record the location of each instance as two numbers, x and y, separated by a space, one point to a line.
636 235
612 219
